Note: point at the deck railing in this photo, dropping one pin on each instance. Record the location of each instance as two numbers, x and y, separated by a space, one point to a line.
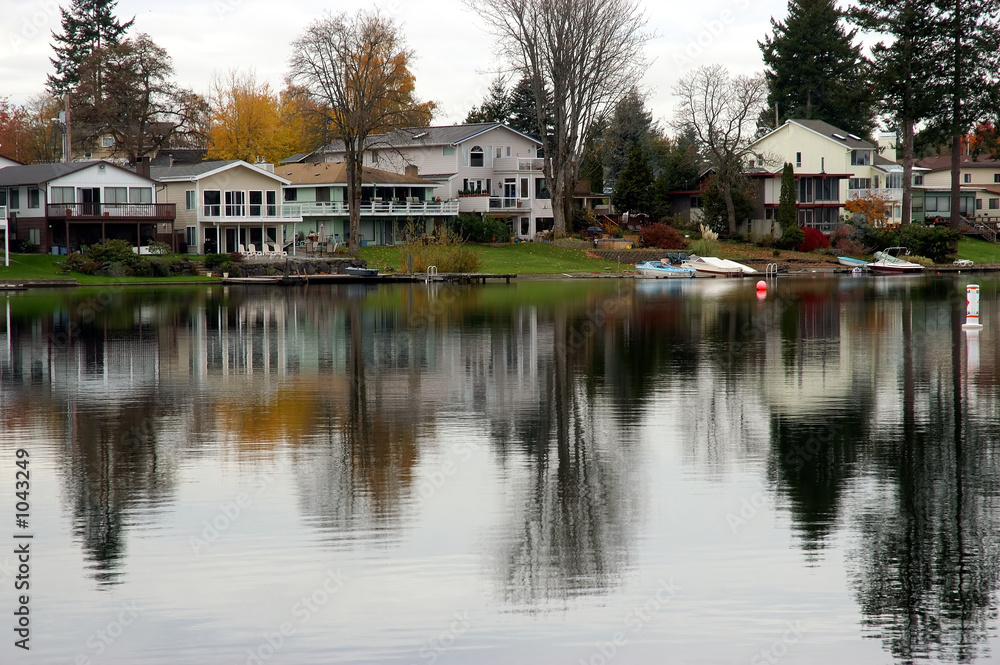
160 211
396 208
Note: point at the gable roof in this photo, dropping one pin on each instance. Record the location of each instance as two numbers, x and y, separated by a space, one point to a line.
36 174
335 173
944 163
192 172
444 135
836 134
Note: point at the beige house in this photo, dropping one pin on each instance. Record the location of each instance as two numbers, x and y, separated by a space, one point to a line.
980 183
489 168
225 204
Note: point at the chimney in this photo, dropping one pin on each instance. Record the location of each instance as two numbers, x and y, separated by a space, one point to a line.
410 171
142 167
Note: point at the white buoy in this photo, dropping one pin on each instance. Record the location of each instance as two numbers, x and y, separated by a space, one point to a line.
972 308
972 350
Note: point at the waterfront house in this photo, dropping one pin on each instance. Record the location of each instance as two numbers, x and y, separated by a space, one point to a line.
224 204
831 166
63 207
393 205
490 168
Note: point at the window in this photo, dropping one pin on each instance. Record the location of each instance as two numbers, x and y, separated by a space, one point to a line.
994 204
15 198
499 151
508 154
35 236
448 151
236 203
374 156
805 190
189 200
996 177
191 236
3 197
34 197
541 191
213 203
798 159
524 188
861 157
107 141
966 178
918 179
894 179
769 213
63 194
256 204
476 156
116 194
930 204
291 195
696 202
140 195
859 183
272 203
979 204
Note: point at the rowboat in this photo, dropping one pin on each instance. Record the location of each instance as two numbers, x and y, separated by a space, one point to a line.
890 263
852 263
711 265
661 269
361 272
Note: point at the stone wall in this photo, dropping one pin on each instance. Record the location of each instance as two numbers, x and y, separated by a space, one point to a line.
334 265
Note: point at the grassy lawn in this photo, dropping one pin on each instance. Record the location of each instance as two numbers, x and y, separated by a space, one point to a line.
979 251
43 266
525 258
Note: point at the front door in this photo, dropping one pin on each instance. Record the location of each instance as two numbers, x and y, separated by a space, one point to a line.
90 197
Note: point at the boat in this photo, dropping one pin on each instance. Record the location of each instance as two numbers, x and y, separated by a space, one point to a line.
711 265
354 271
890 262
662 269
852 263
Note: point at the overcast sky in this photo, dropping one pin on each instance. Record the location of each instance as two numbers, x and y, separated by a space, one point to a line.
455 60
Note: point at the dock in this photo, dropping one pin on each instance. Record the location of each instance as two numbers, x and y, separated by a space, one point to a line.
392 278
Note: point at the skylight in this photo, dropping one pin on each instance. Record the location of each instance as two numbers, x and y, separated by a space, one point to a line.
840 137
855 137
420 135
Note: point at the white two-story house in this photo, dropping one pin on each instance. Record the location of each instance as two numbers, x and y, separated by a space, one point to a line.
831 166
64 207
224 204
489 168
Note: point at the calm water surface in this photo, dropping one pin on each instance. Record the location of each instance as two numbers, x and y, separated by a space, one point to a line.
547 472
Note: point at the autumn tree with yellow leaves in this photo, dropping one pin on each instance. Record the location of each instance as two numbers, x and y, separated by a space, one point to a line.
356 67
247 120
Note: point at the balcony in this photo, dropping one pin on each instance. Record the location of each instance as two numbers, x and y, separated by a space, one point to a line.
507 203
893 194
382 208
241 212
517 164
152 212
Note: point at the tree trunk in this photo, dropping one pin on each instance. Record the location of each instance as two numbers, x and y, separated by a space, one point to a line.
727 196
956 121
354 201
956 180
906 213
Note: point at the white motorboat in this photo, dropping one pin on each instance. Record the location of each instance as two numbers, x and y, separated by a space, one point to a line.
662 269
711 265
890 262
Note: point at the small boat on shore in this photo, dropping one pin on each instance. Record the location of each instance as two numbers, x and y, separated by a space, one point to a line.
662 270
711 265
890 262
851 262
354 271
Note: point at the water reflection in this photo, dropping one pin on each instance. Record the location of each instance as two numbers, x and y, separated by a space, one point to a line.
851 401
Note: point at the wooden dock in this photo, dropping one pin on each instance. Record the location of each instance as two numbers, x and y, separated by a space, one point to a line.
392 278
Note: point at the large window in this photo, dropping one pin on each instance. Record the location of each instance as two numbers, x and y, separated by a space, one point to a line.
861 157
256 204
140 195
236 204
116 194
190 200
476 156
34 197
272 203
213 203
15 198
541 191
291 195
63 194
859 183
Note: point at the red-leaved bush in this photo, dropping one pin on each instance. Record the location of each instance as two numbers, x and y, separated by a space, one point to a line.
814 239
661 235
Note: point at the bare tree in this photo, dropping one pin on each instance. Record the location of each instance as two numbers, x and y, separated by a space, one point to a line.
356 68
721 111
580 54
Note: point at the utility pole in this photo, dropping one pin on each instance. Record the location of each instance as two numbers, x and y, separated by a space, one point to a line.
68 135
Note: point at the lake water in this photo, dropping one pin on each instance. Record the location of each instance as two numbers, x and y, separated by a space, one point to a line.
591 472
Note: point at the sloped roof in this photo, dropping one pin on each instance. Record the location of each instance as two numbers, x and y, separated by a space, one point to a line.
296 158
188 170
841 136
36 174
335 173
428 136
944 163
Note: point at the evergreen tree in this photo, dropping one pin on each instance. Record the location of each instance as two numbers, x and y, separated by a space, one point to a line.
963 81
899 70
88 26
496 107
815 70
632 190
591 168
522 111
631 125
787 212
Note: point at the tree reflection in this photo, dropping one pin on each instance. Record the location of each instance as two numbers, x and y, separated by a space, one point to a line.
576 509
927 569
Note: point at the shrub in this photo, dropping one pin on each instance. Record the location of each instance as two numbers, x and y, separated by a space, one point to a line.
661 235
471 227
110 251
791 238
851 247
214 262
447 258
937 243
158 248
703 247
812 239
27 247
